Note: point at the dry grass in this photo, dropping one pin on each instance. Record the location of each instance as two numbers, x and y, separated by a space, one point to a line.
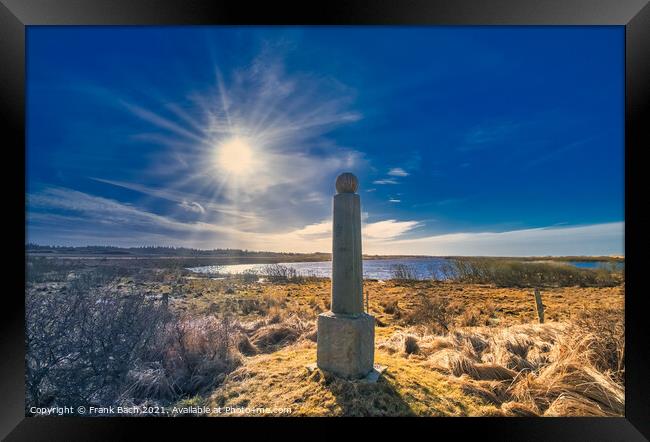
451 349
490 305
480 340
572 377
281 379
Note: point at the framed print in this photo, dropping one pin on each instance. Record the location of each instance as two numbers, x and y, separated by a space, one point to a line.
423 212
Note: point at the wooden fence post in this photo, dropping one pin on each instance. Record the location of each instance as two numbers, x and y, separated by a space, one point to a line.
540 306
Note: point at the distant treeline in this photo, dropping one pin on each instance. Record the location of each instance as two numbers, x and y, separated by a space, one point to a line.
162 251
153 251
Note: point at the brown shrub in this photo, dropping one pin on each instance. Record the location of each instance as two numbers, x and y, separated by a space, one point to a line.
390 307
275 315
198 350
431 312
149 381
245 346
411 344
470 317
271 337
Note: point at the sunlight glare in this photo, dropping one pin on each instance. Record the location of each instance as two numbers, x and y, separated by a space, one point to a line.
235 156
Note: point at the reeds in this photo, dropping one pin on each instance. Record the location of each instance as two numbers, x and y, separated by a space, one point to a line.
511 273
553 369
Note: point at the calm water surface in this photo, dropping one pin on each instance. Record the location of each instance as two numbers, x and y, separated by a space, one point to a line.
424 268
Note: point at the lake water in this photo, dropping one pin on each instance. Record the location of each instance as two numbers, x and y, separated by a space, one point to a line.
596 264
424 268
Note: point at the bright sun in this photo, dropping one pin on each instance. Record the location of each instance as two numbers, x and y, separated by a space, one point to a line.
235 156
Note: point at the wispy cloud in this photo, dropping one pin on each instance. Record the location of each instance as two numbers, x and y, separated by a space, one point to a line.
385 181
192 206
318 236
392 174
293 159
94 209
183 199
76 216
158 145
398 171
594 239
388 229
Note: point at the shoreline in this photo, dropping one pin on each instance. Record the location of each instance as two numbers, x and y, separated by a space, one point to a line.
320 257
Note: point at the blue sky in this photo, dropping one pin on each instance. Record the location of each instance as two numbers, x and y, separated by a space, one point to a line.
467 141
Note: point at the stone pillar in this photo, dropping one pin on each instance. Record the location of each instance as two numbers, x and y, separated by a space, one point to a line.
347 271
346 334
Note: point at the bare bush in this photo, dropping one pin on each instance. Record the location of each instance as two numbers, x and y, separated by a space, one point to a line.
197 350
90 344
403 272
82 342
432 312
250 275
281 273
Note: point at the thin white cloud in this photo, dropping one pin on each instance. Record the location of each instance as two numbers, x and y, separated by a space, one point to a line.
595 239
321 229
295 159
398 171
385 181
192 206
388 229
181 198
98 210
88 218
318 237
394 200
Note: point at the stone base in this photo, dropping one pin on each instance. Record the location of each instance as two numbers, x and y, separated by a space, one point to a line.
371 378
346 344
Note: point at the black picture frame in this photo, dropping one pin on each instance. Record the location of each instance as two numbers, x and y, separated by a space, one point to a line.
15 15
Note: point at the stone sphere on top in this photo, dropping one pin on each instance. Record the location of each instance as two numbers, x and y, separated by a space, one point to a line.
347 183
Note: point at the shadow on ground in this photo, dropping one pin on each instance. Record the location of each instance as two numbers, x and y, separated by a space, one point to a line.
358 398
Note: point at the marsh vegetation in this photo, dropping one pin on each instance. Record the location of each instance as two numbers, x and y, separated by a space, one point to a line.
105 332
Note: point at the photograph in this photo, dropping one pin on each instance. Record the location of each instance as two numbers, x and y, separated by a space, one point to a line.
319 221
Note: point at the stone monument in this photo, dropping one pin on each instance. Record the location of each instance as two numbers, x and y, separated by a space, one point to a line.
346 335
